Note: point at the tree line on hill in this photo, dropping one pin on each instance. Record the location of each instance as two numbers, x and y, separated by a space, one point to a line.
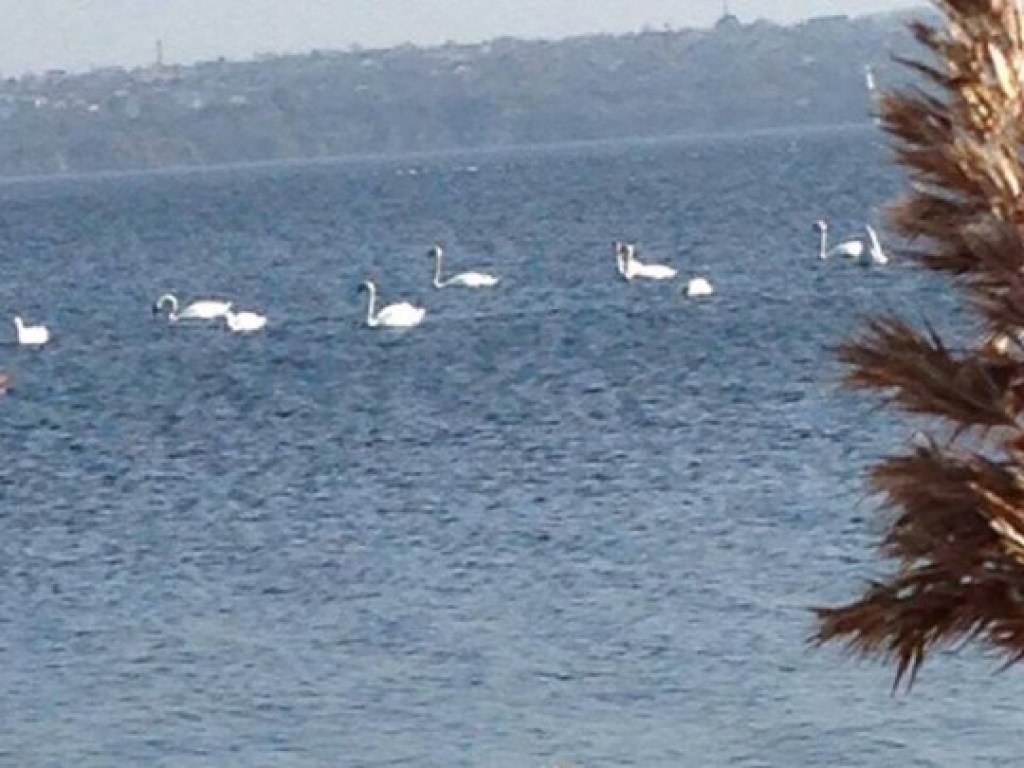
504 92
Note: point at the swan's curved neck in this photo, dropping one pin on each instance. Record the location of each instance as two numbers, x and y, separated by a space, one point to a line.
438 282
629 263
372 290
170 299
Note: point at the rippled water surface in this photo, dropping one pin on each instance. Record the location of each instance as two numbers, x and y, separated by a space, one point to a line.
570 521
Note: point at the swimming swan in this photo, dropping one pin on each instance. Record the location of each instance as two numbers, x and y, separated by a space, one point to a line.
632 267
852 248
465 279
878 256
244 322
400 315
31 335
203 309
699 286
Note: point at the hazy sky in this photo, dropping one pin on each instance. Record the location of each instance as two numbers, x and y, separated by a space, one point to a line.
81 34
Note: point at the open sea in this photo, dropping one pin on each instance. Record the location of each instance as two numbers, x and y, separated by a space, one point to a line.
571 521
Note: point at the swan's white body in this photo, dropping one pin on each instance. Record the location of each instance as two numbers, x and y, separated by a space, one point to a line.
464 279
632 267
878 256
202 309
400 315
699 286
850 248
244 322
31 335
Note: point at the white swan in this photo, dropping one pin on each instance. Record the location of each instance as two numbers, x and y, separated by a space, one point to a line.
851 248
244 322
31 335
699 286
633 267
203 309
878 256
465 279
400 315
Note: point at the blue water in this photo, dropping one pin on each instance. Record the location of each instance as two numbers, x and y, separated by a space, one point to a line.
570 522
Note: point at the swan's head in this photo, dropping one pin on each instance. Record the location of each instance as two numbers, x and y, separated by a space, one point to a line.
366 285
167 300
821 226
435 251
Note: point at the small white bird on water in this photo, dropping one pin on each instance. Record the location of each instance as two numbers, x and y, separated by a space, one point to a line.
851 248
244 322
399 315
464 279
631 267
699 286
31 335
202 309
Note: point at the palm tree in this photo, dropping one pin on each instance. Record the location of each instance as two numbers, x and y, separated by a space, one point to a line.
954 504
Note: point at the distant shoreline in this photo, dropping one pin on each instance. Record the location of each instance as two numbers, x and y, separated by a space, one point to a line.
467 153
734 78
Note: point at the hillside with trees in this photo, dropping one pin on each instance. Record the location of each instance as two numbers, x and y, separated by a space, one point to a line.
734 76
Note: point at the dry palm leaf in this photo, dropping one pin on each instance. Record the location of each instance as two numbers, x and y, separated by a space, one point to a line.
955 506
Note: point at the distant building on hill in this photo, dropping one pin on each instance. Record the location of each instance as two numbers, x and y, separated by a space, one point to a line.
727 20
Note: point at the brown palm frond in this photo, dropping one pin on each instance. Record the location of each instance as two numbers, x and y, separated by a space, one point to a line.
955 507
939 508
930 607
921 375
